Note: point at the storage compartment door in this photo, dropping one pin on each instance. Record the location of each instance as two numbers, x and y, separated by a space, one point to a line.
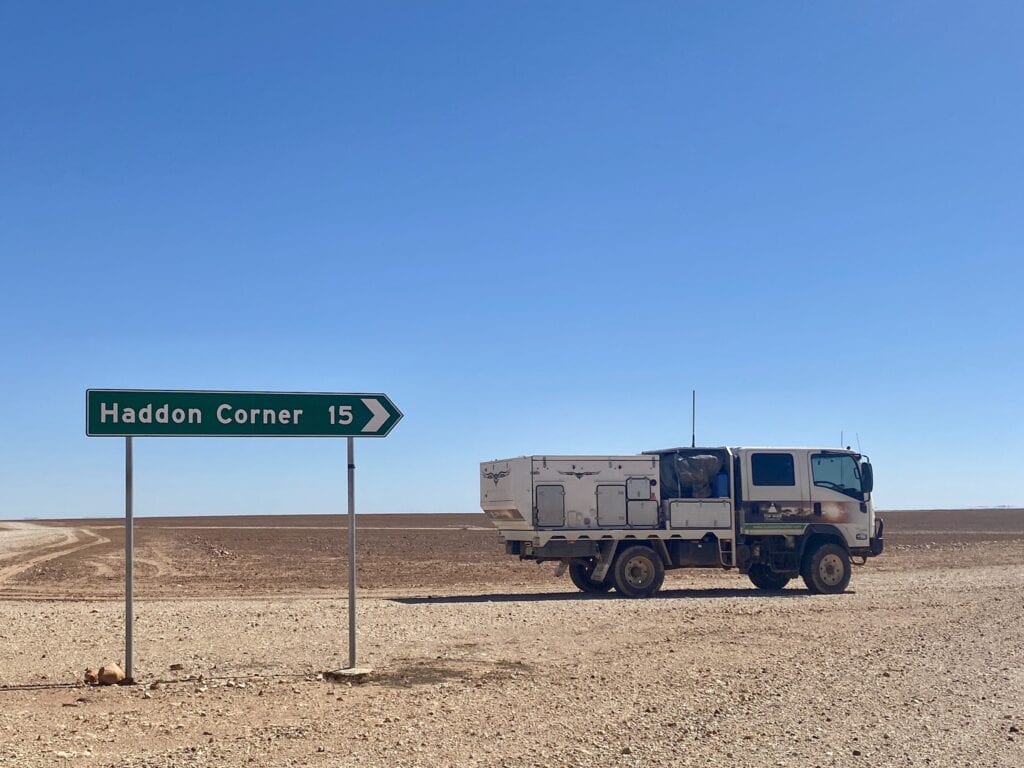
611 505
643 514
638 488
700 513
550 506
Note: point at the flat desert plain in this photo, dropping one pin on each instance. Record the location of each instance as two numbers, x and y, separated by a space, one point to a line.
480 659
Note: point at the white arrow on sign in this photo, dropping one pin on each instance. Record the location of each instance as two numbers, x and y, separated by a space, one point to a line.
380 414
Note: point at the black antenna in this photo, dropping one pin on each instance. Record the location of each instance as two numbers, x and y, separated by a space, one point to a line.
693 421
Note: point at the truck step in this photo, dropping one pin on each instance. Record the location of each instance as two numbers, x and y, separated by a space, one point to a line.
725 552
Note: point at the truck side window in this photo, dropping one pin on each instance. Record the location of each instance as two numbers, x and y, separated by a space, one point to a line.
772 469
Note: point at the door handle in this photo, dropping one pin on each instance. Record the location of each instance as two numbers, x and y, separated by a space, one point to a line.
817 508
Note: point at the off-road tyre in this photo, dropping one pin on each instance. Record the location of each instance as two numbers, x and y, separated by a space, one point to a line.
638 572
764 578
827 570
580 571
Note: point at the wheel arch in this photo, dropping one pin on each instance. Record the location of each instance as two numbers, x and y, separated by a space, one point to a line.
818 534
658 545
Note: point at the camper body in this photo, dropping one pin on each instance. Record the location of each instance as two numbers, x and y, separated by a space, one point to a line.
621 521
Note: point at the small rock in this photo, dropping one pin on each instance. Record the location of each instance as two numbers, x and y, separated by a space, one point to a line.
110 674
177 667
627 751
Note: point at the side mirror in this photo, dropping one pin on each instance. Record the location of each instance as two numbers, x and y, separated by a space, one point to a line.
867 477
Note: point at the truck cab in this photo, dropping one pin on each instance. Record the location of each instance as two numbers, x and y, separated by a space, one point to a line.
782 490
790 501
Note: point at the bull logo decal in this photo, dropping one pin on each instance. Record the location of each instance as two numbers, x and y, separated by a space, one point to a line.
579 475
496 476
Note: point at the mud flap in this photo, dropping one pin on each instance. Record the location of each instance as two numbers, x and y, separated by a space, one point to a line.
605 558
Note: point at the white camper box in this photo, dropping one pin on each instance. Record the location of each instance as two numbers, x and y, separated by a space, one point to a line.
544 497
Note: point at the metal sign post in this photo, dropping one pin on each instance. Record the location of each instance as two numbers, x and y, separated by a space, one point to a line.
132 413
129 562
351 553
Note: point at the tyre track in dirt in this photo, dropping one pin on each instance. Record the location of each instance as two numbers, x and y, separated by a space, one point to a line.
27 545
17 538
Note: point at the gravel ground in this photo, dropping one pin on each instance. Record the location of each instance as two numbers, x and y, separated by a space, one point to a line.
915 667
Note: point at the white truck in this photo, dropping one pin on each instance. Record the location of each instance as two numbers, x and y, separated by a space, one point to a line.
622 521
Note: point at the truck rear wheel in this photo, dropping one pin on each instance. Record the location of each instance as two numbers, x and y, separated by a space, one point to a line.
827 569
639 572
579 572
765 578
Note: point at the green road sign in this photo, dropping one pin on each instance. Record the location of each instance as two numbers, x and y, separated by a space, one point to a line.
143 412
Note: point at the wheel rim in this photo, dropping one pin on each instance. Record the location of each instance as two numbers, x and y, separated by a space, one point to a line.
639 572
831 569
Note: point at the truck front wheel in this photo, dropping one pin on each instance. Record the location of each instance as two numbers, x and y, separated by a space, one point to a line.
580 571
765 578
639 572
827 569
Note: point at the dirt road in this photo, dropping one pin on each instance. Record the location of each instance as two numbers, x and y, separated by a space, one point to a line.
17 538
26 546
919 665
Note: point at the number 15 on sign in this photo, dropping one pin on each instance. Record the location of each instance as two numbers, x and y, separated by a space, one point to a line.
340 414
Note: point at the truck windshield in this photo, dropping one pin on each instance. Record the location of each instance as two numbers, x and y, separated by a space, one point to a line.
838 472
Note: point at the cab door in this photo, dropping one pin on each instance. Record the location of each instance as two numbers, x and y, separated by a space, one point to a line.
837 497
776 486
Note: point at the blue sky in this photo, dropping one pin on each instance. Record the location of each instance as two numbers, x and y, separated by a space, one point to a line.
536 226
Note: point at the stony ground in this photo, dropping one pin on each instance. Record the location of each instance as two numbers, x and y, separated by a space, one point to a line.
919 665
